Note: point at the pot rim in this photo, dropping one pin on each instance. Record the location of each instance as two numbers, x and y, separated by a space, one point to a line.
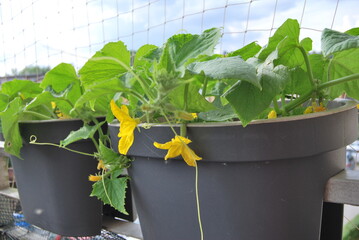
346 106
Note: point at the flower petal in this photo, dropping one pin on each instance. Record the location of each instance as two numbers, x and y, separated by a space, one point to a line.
181 139
174 151
189 156
165 146
94 178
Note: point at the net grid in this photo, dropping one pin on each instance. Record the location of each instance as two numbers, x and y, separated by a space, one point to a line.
45 33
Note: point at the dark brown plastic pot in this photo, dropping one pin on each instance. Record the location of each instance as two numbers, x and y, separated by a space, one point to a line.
264 181
53 182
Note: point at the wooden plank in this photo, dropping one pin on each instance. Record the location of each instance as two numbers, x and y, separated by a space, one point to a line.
343 188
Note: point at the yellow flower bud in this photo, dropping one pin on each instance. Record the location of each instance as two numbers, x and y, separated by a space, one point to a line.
185 115
308 110
101 165
94 178
272 114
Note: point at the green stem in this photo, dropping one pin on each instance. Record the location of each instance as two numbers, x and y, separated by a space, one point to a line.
95 143
309 67
295 103
305 97
39 115
276 107
204 90
183 129
33 141
338 81
99 129
169 122
138 96
198 204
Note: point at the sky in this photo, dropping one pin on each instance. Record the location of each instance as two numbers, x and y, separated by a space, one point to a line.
48 32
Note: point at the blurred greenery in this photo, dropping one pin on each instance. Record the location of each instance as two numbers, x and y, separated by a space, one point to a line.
351 229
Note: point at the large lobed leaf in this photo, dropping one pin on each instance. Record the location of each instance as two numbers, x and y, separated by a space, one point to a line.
333 41
227 68
23 88
182 47
84 132
249 101
113 188
101 67
10 126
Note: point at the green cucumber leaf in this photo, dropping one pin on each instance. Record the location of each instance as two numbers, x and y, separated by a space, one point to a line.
84 132
183 47
140 57
350 229
195 101
222 114
227 68
10 127
4 101
22 88
248 101
333 41
60 77
113 188
247 51
103 65
343 64
104 89
108 155
289 29
299 82
353 31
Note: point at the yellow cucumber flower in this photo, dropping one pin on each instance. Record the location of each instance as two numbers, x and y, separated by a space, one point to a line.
319 108
101 165
308 110
178 146
127 126
272 114
94 178
315 108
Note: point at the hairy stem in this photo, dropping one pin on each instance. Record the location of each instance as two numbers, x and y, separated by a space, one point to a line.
309 67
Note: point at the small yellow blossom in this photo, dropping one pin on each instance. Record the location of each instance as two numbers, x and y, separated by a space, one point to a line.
101 165
53 105
94 178
127 126
194 115
308 110
315 108
272 114
178 146
319 108
357 106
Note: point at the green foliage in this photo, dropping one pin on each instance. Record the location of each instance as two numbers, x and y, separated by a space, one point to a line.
184 76
350 230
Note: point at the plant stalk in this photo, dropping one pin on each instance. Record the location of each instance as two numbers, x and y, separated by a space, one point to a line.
204 89
338 81
309 67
